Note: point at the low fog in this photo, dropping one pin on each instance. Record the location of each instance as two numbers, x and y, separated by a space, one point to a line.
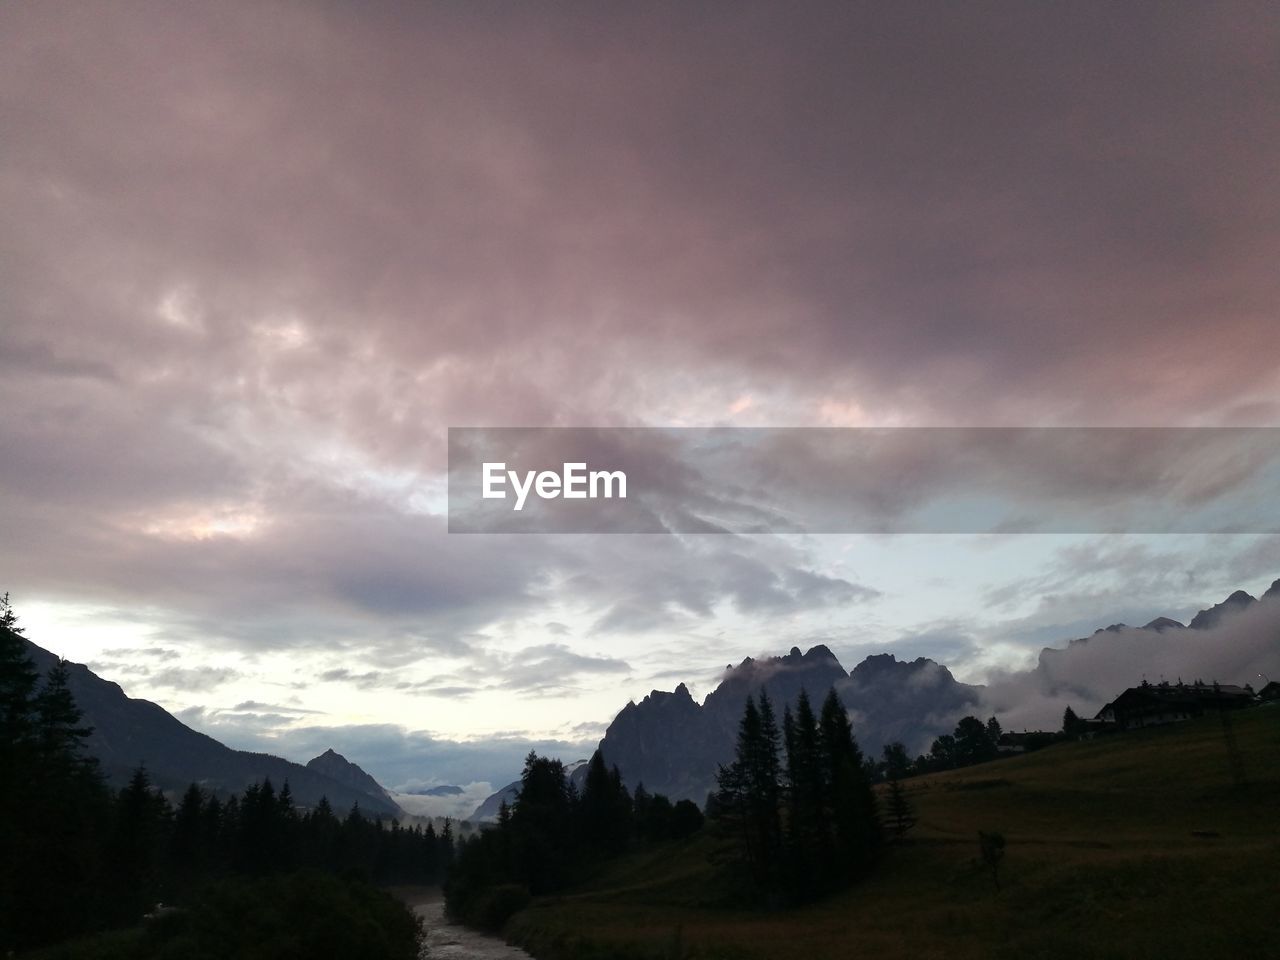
1243 646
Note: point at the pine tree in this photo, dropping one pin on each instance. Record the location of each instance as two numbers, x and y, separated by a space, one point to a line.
61 733
749 793
1070 723
766 789
901 816
18 679
896 762
187 847
605 809
850 798
141 816
808 821
994 733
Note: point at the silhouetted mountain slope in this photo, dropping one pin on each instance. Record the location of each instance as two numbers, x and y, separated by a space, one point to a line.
337 767
673 745
816 671
489 809
910 701
669 743
128 732
1213 616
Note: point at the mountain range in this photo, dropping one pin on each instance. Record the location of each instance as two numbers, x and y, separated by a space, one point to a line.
129 733
673 745
668 741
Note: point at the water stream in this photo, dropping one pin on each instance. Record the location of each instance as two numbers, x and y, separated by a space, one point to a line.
448 941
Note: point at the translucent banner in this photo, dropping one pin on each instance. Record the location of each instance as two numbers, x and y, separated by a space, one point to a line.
874 480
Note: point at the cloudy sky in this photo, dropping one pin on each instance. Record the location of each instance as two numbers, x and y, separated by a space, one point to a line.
258 257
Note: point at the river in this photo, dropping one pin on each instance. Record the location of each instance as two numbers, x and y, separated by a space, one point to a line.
448 941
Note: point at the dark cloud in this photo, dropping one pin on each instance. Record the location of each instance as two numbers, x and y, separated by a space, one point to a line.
256 259
542 670
365 681
150 653
553 668
254 706
192 679
888 204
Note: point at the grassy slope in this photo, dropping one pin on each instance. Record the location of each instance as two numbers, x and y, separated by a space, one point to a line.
1101 862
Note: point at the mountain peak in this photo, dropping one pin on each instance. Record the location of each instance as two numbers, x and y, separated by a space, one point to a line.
1272 591
126 731
337 767
1209 618
877 663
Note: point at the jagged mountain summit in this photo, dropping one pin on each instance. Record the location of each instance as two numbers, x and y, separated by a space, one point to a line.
673 745
1214 615
337 767
129 733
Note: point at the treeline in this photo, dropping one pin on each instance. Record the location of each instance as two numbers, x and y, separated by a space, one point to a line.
77 857
797 804
167 853
552 835
971 742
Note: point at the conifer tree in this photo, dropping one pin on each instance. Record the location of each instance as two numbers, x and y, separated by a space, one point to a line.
1071 723
808 834
901 816
61 733
605 808
850 798
18 679
749 795
896 762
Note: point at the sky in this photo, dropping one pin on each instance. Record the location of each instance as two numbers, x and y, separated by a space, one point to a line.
257 258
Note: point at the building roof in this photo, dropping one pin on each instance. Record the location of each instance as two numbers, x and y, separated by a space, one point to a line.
1173 694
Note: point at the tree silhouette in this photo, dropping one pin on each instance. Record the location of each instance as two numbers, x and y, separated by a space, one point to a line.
901 815
1072 725
991 853
896 762
824 800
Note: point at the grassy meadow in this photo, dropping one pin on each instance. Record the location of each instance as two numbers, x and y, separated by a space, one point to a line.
1133 846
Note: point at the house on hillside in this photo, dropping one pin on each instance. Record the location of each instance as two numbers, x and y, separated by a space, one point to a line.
1270 692
1152 704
